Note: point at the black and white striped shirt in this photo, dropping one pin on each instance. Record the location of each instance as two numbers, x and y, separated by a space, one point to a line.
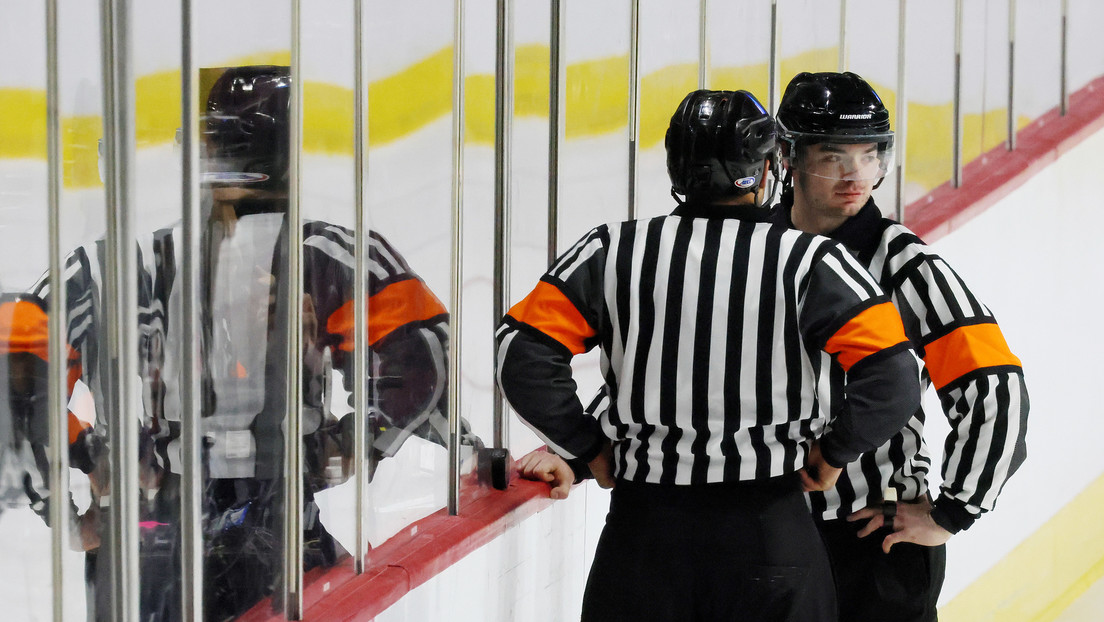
711 324
407 325
978 380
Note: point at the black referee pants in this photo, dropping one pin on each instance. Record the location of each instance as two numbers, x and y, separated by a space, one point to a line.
724 552
872 586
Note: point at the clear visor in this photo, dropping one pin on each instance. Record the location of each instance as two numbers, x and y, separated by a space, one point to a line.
858 161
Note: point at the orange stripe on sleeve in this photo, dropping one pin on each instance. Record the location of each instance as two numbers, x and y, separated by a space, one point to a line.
394 306
75 370
871 331
549 311
964 350
76 426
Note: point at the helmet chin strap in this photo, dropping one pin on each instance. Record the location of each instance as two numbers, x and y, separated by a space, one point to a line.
774 166
787 180
769 198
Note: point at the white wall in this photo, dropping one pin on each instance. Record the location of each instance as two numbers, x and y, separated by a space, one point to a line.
1036 261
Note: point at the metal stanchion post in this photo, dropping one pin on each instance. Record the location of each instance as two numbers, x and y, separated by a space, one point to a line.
191 483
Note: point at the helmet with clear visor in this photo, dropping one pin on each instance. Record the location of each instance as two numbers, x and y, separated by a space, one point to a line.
844 119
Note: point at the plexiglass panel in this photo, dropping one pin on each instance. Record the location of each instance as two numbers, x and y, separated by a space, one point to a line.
669 55
930 91
1086 46
739 47
25 304
410 164
808 37
594 157
1038 57
25 538
245 296
871 49
984 86
528 186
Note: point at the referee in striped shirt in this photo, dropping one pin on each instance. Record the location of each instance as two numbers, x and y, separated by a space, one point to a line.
889 557
712 324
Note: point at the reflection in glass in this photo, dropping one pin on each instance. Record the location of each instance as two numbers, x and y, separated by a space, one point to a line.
24 467
244 310
24 442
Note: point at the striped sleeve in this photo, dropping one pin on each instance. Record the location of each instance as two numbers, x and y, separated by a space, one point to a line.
397 298
406 325
82 285
845 314
536 341
81 274
979 381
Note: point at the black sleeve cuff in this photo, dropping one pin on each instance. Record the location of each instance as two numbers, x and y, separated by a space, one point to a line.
833 453
593 451
581 469
951 515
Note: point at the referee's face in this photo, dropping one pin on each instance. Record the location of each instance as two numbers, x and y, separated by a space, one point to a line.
834 181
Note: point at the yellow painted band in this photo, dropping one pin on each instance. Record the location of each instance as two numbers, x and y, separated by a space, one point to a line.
400 104
23 123
1046 572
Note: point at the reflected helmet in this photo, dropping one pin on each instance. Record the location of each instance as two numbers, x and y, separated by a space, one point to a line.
717 144
246 127
832 107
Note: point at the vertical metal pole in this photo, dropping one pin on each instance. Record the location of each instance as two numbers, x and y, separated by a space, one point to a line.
504 116
121 290
956 155
1011 75
360 293
634 102
703 44
772 76
293 443
58 355
902 110
842 64
456 296
556 114
1064 75
191 483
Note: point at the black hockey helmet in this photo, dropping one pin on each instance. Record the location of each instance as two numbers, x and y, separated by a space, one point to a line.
717 144
832 107
246 127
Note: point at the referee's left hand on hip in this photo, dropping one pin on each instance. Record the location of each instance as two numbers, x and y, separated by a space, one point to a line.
912 522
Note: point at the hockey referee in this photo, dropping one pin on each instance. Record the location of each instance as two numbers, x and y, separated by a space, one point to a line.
889 558
712 323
